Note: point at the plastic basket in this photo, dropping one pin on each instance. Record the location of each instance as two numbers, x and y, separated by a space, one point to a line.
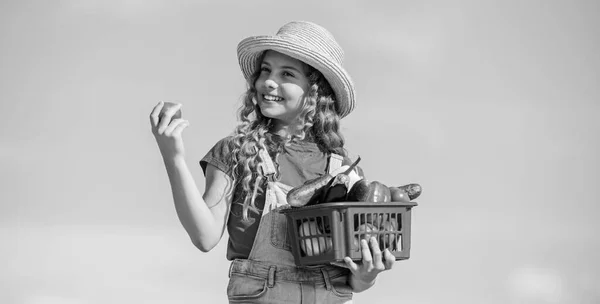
326 233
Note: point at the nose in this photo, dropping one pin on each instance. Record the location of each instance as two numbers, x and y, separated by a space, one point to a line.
269 83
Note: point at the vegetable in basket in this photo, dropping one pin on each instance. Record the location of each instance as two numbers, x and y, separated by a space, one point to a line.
410 191
399 195
307 192
390 235
366 191
316 245
323 187
365 232
337 189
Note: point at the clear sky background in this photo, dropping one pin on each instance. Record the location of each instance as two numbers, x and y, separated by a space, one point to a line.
492 106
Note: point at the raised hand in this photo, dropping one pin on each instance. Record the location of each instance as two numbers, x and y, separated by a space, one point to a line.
167 127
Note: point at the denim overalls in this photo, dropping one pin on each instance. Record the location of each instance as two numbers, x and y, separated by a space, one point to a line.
270 274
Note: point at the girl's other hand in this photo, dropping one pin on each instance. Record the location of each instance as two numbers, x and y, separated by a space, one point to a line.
373 262
167 126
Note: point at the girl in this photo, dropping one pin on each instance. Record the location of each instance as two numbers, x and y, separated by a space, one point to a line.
289 133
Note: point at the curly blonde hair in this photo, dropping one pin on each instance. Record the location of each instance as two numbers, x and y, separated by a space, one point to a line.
317 121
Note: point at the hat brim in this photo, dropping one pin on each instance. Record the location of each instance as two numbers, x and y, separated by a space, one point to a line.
250 49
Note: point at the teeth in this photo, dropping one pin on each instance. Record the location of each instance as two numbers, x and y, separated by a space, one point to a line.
272 98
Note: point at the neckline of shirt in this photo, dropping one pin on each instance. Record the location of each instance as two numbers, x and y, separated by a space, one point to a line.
278 139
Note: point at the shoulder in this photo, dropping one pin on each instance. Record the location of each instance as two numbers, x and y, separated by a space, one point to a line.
220 155
225 144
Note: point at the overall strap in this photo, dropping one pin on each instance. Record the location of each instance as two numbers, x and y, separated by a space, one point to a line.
267 165
335 162
276 193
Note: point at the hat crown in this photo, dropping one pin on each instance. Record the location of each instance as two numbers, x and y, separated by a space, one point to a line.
314 37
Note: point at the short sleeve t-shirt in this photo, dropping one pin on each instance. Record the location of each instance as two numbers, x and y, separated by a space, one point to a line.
298 161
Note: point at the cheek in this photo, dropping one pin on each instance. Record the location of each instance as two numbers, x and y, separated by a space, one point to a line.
295 92
258 83
295 100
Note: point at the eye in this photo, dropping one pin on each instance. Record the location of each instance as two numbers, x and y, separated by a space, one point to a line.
264 69
288 74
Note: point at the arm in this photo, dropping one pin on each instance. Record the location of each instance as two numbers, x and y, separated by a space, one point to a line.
203 217
205 225
364 274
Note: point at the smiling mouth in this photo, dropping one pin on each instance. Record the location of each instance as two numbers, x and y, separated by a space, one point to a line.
272 98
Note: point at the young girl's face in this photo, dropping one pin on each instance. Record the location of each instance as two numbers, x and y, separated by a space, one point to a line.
282 83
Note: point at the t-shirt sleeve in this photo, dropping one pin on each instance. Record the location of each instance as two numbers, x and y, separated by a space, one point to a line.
220 156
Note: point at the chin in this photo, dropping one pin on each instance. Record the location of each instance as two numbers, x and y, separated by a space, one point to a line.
271 116
268 110
268 113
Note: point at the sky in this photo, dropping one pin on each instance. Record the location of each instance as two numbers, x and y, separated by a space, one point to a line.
490 105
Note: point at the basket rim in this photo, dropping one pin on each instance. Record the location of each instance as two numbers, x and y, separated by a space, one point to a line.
341 205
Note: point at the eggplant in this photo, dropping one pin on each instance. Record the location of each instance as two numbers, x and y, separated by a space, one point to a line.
310 190
337 189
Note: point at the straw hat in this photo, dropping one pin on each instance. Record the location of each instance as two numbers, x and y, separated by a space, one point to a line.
307 42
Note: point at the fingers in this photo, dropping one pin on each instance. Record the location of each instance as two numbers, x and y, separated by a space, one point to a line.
165 118
351 265
390 259
377 256
176 127
367 258
154 115
179 129
374 260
